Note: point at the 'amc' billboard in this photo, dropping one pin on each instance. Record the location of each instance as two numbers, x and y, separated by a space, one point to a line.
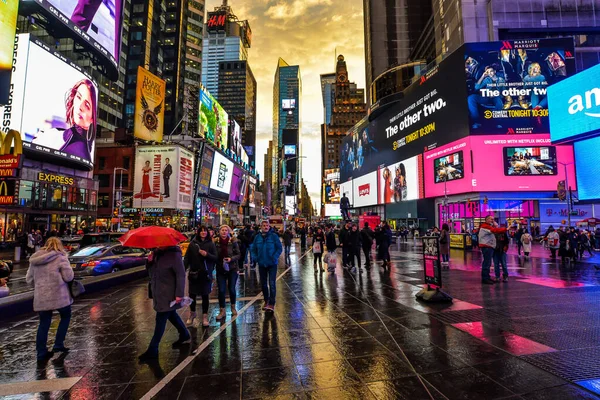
149 106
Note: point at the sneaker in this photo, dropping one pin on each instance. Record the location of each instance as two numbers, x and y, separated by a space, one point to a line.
488 282
270 308
505 278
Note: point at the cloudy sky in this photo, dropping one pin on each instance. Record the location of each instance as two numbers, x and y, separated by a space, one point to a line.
307 33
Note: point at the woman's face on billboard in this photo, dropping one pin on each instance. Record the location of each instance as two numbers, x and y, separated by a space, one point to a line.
82 107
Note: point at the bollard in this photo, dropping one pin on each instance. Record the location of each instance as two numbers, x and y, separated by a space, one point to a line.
17 254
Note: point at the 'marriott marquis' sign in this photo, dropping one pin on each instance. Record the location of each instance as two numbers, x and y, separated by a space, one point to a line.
575 106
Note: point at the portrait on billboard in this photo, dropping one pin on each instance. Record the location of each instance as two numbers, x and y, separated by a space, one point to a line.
358 148
399 182
149 106
145 191
530 161
507 83
235 139
449 168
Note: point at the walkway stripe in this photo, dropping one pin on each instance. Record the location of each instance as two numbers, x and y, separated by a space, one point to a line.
46 385
173 374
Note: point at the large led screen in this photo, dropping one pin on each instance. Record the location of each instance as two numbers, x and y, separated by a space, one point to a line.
213 120
96 23
365 190
346 188
235 138
8 27
449 168
508 81
221 177
588 168
54 105
520 161
205 170
400 181
458 157
331 185
251 191
238 185
575 106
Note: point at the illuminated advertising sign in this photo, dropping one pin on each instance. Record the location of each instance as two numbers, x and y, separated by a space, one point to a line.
288 104
58 122
213 120
235 138
163 177
205 171
332 210
401 181
245 158
507 83
575 106
365 190
216 21
251 191
449 167
530 160
53 178
289 149
239 182
457 155
149 106
221 177
8 28
95 24
346 188
332 185
588 168
9 192
290 205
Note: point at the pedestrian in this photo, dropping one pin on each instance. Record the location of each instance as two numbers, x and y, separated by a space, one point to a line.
266 250
385 241
353 245
200 259
301 231
564 248
244 244
50 273
330 240
343 237
487 244
366 238
597 237
500 256
31 243
166 289
318 246
527 240
584 244
553 239
288 235
228 252
445 245
518 236
345 207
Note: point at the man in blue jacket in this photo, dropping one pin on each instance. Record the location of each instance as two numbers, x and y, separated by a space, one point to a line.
266 250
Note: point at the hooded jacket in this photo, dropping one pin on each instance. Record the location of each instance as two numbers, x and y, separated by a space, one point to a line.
487 235
266 249
49 272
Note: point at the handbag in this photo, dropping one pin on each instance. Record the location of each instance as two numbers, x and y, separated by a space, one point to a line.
76 288
317 247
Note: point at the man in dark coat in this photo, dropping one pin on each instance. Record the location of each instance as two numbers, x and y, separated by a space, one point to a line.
343 237
330 239
287 243
353 245
366 236
167 172
301 231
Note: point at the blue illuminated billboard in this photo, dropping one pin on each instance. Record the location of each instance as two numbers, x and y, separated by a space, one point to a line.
588 168
575 106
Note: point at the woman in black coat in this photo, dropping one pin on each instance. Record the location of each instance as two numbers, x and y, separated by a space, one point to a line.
200 259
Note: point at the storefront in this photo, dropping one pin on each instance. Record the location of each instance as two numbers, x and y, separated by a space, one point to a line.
410 214
135 217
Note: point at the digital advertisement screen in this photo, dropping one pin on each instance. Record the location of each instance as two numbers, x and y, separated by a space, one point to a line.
575 106
149 106
8 27
530 161
507 83
400 181
221 176
347 188
235 139
332 185
245 158
213 120
97 24
238 185
332 210
205 170
449 168
289 149
251 191
588 168
59 121
290 205
288 104
365 190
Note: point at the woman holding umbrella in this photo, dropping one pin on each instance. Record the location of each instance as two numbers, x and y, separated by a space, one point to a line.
228 252
200 258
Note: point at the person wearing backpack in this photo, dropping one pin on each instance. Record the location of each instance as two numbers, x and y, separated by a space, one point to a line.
318 245
366 236
526 240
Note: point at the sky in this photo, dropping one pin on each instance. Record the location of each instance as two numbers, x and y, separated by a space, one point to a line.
307 33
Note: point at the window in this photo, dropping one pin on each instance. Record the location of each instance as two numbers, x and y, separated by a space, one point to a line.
126 161
103 201
104 180
101 162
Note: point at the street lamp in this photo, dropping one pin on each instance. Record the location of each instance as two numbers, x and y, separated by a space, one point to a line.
120 194
569 195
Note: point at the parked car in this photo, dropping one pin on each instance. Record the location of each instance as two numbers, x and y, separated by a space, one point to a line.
74 243
104 258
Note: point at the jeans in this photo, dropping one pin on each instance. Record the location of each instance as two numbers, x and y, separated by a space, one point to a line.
445 258
205 303
367 251
318 257
269 287
500 259
161 324
288 249
488 254
41 342
344 256
227 281
354 252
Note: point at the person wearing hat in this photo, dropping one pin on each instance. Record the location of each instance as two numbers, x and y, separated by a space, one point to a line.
228 254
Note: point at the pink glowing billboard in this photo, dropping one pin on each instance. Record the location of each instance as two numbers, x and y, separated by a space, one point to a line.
497 163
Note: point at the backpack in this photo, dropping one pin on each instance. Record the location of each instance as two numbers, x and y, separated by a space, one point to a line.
526 239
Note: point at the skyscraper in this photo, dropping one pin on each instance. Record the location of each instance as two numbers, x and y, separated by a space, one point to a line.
237 95
226 38
327 90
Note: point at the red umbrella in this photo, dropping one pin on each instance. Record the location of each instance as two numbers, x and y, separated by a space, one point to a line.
149 237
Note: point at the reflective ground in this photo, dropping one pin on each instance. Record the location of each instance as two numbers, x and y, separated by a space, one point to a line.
340 336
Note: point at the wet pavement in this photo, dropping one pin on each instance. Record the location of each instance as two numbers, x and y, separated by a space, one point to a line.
341 336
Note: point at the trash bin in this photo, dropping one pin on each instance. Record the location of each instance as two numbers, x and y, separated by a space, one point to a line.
17 253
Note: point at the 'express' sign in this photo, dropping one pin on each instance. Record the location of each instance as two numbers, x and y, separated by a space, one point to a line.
63 180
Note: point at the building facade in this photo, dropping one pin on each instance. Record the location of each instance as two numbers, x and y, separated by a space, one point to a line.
237 95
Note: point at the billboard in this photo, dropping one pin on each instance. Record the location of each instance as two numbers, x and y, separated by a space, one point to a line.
288 104
290 205
435 170
289 149
239 181
149 106
365 190
216 21
95 24
235 138
401 181
245 158
530 160
588 168
575 106
8 28
507 83
332 185
163 177
206 163
332 210
347 189
449 167
58 122
251 191
213 120
221 176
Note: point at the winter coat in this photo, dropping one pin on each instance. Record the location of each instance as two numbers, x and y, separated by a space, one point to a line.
487 235
526 246
353 240
49 272
501 243
343 234
233 252
266 249
319 237
287 238
167 277
553 240
204 265
445 242
330 241
366 237
384 237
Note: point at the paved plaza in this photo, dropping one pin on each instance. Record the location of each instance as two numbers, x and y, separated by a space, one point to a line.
341 336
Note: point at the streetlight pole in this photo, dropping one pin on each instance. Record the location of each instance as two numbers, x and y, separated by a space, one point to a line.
119 199
569 193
